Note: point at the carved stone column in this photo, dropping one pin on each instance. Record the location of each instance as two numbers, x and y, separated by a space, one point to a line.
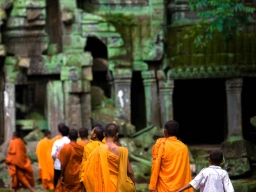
165 88
9 110
151 98
234 112
55 107
122 81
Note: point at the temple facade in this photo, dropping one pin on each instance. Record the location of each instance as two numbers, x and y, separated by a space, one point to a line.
128 62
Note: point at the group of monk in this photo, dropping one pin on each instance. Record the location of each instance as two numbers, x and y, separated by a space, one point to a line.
68 163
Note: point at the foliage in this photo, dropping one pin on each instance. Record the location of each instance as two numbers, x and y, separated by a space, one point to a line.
219 16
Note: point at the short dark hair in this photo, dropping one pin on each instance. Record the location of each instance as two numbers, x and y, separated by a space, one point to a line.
46 133
64 130
99 131
60 125
73 134
216 157
172 127
111 130
83 132
16 134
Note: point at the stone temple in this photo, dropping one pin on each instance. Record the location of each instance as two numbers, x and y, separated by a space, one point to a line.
87 62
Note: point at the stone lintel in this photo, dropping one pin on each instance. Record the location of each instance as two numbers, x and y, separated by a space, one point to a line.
122 74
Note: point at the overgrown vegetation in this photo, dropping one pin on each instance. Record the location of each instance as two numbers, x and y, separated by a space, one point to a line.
219 16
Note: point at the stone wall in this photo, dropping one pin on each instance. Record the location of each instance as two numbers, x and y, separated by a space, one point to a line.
217 59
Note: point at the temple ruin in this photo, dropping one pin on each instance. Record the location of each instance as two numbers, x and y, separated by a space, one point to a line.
128 62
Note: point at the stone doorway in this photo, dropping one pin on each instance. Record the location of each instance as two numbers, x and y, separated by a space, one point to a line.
31 103
200 108
138 107
248 108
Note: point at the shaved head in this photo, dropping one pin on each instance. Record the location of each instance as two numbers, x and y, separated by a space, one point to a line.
83 132
73 134
111 130
99 131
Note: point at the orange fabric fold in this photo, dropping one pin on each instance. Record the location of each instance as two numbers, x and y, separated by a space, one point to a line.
88 148
45 161
81 142
20 168
70 157
170 167
101 171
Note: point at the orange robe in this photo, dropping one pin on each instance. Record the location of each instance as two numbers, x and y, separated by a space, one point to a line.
170 167
56 138
45 161
81 142
70 157
101 171
88 148
20 168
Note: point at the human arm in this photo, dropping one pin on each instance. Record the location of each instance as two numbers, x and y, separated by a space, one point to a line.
185 187
228 187
130 172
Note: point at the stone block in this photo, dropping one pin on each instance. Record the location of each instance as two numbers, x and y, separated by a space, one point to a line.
16 22
244 185
55 107
237 167
115 41
2 50
139 66
77 59
33 14
67 4
102 26
24 62
72 87
116 52
91 17
67 16
74 29
35 4
19 12
74 41
238 149
87 73
71 73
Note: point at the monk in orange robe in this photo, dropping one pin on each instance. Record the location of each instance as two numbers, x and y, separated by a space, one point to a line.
20 168
70 157
102 170
83 134
170 167
97 136
45 161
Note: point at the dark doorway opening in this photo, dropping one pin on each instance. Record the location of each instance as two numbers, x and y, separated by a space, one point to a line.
100 80
248 109
138 107
97 48
200 109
